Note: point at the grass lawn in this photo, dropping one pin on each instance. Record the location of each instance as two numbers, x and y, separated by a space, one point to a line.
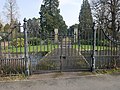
90 47
47 48
37 48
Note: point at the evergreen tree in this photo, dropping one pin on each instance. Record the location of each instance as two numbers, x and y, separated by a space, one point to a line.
62 25
85 17
1 26
50 17
34 27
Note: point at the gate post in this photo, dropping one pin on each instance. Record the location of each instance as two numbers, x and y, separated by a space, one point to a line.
0 41
0 47
94 46
27 62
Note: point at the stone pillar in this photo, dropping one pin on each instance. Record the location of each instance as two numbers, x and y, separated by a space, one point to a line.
56 35
75 34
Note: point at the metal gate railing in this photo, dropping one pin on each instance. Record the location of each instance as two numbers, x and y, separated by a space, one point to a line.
12 51
32 51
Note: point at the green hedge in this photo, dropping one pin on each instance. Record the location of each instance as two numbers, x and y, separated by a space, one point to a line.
98 42
34 41
86 42
37 41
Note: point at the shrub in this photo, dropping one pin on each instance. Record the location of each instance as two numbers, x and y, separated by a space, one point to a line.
47 41
19 42
102 42
7 69
86 42
34 41
46 65
12 67
98 42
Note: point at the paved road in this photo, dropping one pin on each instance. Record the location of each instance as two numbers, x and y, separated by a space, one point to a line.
101 82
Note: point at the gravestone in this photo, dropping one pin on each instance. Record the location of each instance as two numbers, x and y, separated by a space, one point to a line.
56 35
75 34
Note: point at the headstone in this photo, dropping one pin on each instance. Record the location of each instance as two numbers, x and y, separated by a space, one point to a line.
56 35
75 34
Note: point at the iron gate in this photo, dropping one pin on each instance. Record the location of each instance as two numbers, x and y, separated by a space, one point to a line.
34 51
61 55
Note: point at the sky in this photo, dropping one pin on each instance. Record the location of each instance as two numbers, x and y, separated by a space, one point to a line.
69 9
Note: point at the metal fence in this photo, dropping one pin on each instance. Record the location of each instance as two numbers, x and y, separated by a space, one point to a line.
12 53
33 51
100 49
107 50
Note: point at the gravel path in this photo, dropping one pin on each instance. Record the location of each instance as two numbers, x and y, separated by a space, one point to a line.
100 82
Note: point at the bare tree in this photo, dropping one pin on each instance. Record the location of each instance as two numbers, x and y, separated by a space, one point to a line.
0 19
107 14
11 10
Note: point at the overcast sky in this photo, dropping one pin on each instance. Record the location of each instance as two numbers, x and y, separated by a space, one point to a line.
69 9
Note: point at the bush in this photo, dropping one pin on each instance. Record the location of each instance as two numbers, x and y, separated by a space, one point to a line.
19 42
7 69
102 42
98 42
47 65
86 42
47 41
12 67
34 41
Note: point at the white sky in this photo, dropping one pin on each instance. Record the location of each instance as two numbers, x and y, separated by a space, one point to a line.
30 8
70 10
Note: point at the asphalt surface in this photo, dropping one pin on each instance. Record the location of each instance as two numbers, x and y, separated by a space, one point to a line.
100 82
